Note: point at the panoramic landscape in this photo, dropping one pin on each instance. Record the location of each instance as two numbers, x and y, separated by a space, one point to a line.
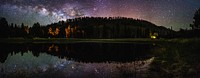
99 39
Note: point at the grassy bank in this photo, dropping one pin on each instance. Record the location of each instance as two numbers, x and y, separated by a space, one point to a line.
177 58
80 40
76 40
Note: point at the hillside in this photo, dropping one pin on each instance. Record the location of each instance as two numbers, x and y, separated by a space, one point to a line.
91 27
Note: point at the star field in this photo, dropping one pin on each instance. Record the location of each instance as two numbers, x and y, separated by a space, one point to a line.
175 13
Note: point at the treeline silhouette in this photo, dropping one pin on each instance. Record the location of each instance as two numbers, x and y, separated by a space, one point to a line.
83 52
86 27
98 27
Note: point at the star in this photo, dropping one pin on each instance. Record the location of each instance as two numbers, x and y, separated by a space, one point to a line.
160 12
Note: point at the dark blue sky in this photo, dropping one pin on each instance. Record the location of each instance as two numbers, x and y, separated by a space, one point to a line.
175 13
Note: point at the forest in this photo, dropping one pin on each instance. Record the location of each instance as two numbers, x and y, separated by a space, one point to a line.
98 28
87 27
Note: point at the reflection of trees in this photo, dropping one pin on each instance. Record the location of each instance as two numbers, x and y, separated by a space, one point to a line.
87 52
53 48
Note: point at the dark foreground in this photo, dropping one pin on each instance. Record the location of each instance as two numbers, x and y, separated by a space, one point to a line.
98 58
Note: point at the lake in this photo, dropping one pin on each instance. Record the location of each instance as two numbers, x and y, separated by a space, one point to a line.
99 60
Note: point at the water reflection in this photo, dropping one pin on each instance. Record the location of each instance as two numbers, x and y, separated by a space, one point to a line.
84 52
98 60
47 65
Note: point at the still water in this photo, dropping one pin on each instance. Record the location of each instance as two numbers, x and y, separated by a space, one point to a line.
97 60
100 60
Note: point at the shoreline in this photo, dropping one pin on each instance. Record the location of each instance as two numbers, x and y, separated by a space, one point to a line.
81 40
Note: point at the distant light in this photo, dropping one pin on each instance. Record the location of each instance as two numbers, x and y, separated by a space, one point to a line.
153 37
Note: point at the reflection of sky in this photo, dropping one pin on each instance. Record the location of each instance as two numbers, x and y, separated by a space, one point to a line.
45 63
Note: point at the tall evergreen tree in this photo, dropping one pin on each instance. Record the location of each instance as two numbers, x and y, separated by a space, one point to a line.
196 22
4 30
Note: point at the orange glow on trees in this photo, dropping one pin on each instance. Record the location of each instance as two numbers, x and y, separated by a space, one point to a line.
57 31
68 31
54 32
26 29
50 31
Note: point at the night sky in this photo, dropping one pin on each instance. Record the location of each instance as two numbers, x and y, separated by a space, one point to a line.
175 13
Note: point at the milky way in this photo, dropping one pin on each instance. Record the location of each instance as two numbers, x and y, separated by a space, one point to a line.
175 13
